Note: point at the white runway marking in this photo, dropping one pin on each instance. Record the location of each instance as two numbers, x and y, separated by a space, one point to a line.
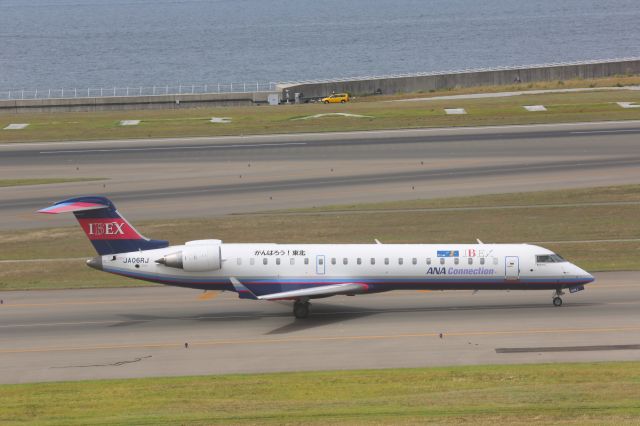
628 104
163 148
16 126
455 111
333 114
534 108
220 120
129 122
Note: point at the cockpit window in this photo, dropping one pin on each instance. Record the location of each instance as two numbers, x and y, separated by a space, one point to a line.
549 258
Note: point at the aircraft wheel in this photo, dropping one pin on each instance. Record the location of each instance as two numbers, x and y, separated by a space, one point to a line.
301 309
326 102
557 301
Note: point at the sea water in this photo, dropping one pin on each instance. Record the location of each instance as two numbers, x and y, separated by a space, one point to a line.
102 43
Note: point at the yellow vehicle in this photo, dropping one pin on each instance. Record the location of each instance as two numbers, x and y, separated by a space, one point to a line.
337 98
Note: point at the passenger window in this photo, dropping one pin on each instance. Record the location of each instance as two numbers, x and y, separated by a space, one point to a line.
442 260
400 261
321 261
306 260
386 260
345 261
482 260
470 261
495 260
252 261
292 261
549 258
239 261
277 260
359 261
373 260
414 261
428 261
333 260
265 261
456 260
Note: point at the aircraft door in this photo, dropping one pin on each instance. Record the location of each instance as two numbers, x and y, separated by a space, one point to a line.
512 268
320 264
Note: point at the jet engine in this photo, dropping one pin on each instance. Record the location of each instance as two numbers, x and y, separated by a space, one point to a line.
194 258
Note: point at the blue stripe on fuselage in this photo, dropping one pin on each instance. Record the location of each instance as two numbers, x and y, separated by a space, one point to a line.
268 285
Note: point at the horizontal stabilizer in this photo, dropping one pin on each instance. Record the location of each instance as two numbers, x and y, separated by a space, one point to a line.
71 207
320 291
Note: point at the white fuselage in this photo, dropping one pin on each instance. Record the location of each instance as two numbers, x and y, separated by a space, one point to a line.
268 268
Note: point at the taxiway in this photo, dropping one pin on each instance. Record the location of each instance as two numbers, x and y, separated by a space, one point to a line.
203 177
140 332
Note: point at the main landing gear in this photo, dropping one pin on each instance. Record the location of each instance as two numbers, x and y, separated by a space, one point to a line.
557 300
301 309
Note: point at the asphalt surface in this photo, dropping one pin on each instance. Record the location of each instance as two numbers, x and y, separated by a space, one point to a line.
198 177
140 332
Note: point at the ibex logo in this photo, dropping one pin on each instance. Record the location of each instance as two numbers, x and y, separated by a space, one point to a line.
108 228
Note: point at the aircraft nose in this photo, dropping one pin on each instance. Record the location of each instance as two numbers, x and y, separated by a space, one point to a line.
578 273
584 275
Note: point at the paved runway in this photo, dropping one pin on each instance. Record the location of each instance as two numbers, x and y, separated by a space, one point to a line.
138 332
172 178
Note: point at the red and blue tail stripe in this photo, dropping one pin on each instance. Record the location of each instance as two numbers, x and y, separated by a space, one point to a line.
108 231
64 207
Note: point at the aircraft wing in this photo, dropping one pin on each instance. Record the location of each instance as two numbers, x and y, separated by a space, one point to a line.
321 291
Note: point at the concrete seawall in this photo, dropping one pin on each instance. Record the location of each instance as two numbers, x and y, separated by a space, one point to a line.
440 81
133 102
424 82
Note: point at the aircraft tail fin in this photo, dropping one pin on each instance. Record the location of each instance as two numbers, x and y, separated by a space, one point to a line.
108 231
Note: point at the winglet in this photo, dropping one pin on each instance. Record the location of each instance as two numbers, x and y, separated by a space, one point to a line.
242 290
377 241
478 240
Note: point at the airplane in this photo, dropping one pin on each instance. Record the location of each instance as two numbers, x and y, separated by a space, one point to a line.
301 272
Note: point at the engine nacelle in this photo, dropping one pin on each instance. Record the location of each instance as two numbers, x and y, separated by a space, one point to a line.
194 258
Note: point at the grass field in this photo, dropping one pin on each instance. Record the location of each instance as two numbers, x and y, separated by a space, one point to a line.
575 394
553 217
603 194
42 181
562 107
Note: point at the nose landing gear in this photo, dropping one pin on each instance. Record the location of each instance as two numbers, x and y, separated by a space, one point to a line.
557 300
301 309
